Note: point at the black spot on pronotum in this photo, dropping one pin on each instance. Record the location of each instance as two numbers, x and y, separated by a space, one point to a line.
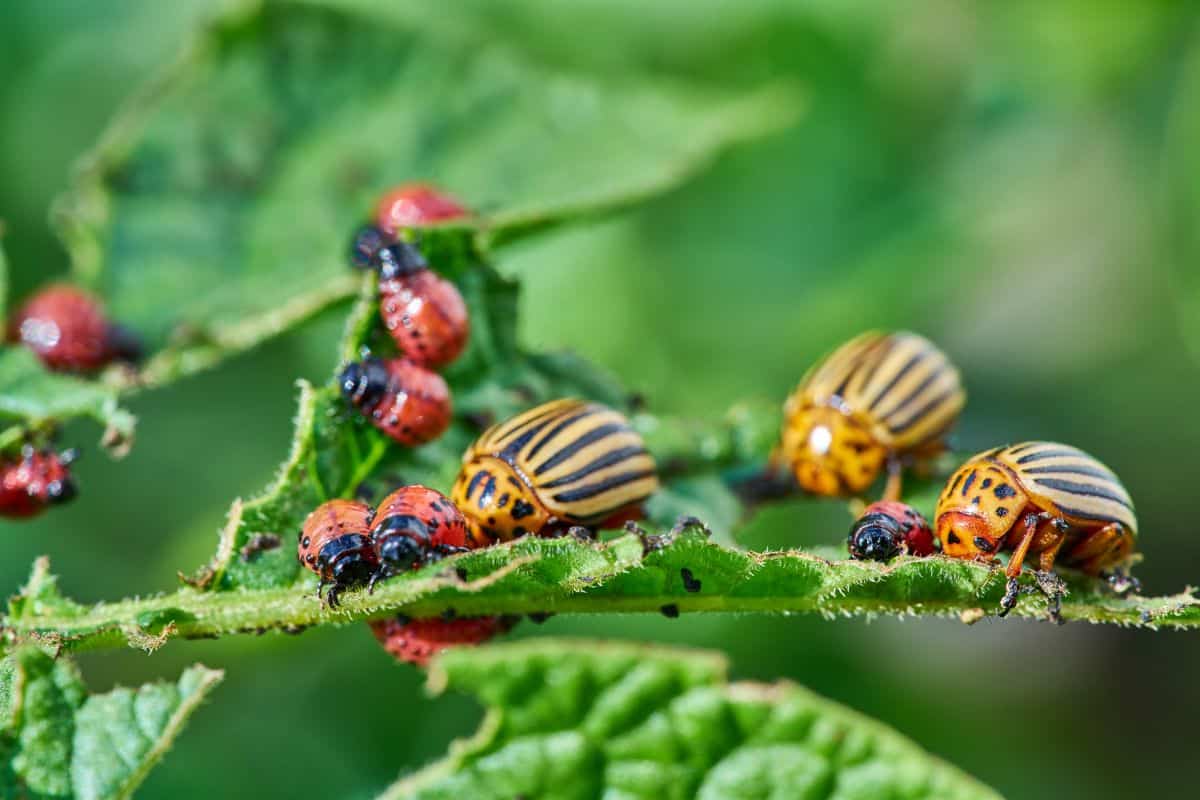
966 487
521 509
670 611
1001 512
987 482
982 543
953 538
690 582
1004 491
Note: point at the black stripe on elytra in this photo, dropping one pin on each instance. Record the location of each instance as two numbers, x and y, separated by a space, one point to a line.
1042 455
600 487
569 450
916 393
1021 448
855 366
1082 490
924 411
1081 514
900 373
513 427
607 460
968 483
513 448
587 411
1070 469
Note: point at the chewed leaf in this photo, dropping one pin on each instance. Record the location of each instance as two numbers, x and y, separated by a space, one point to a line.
217 210
61 742
32 397
592 719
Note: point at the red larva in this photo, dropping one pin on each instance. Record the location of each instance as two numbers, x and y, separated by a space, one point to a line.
425 313
407 402
68 330
417 641
336 545
414 526
415 204
37 479
887 529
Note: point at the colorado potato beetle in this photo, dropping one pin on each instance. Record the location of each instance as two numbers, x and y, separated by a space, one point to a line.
417 641
1039 499
415 525
562 464
887 529
880 400
424 313
37 479
336 545
68 330
404 400
415 204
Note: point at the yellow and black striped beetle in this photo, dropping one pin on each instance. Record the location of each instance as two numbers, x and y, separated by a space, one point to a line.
564 463
1039 499
880 400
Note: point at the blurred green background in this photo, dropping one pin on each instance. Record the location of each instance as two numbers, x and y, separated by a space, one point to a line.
1012 179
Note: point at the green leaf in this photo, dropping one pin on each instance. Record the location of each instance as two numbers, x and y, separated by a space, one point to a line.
32 398
217 210
3 282
63 743
580 719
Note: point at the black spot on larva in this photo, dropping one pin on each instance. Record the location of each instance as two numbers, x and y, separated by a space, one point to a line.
1004 491
1001 512
670 611
987 482
983 544
690 583
521 509
953 538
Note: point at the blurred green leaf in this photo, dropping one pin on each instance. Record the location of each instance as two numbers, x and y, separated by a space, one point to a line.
579 719
64 743
3 282
33 398
217 210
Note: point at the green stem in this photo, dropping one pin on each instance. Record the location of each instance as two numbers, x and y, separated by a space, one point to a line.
566 576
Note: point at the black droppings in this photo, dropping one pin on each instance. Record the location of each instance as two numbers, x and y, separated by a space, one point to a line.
581 533
670 611
685 522
690 582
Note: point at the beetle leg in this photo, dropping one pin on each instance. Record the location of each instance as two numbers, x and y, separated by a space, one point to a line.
1121 581
1013 588
320 587
892 490
1106 547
